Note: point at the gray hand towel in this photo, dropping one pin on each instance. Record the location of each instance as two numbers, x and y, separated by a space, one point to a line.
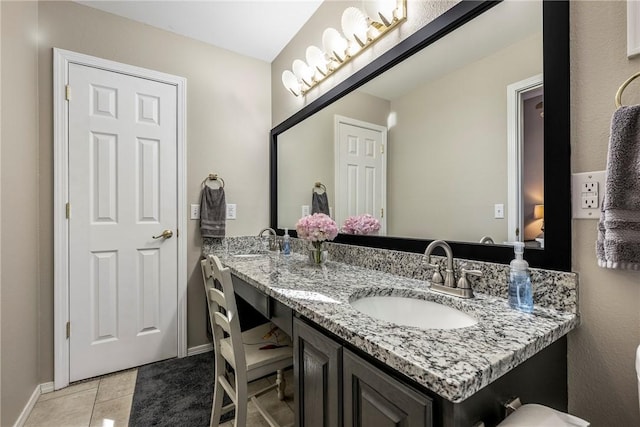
213 212
618 244
319 203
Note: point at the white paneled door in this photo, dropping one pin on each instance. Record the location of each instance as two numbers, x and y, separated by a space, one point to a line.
360 170
122 195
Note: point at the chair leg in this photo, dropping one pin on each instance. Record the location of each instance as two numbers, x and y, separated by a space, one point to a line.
241 403
216 409
281 384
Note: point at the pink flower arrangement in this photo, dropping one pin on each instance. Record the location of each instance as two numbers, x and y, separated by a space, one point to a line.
361 224
317 228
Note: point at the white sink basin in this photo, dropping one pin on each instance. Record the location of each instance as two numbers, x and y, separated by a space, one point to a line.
414 312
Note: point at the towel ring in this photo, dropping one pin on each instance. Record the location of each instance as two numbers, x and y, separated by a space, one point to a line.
213 177
319 185
623 87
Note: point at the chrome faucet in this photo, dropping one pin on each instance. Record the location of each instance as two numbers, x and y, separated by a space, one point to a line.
449 286
273 244
487 240
450 279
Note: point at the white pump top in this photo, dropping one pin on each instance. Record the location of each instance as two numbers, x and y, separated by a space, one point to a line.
518 263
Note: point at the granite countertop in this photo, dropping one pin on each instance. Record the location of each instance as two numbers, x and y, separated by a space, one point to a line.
453 363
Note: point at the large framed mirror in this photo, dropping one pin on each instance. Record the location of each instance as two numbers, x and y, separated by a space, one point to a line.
470 125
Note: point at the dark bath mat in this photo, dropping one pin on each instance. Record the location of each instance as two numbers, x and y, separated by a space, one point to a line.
175 392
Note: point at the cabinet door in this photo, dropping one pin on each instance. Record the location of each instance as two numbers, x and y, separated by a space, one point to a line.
317 375
374 399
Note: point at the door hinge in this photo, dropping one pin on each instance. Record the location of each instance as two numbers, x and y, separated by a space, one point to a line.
68 210
381 212
381 149
68 329
67 92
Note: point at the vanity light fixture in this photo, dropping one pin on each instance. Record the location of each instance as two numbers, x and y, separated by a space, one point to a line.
360 29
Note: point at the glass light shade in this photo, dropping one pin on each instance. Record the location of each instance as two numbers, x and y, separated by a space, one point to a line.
290 81
538 212
334 44
354 25
316 60
303 72
381 10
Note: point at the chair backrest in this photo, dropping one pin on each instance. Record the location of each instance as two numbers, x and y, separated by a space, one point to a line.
223 312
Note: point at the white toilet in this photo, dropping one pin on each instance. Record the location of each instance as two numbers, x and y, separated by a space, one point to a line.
533 415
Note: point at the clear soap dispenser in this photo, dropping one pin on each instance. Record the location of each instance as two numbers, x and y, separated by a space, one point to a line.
520 290
286 243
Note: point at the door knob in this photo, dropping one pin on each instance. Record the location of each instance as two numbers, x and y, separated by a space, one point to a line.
166 234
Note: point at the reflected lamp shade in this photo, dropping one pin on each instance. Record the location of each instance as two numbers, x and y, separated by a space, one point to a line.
538 213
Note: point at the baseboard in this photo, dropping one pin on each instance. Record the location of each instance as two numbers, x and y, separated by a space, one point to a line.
46 387
199 349
26 411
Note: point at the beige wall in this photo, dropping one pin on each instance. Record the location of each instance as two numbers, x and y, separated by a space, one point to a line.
453 130
306 153
20 206
0 216
602 381
228 121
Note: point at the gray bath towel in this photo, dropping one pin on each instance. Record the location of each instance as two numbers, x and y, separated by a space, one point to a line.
213 212
618 244
319 203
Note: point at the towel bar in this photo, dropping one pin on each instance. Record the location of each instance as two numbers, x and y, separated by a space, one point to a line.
623 87
213 177
320 185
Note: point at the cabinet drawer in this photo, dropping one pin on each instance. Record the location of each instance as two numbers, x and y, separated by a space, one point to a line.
275 311
253 296
372 398
282 316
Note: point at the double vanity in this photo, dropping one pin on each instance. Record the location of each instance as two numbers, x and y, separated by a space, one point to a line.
363 357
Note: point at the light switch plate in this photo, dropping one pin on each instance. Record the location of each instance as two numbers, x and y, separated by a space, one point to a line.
498 210
587 194
231 211
195 211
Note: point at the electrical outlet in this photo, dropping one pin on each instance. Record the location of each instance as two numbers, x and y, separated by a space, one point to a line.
589 202
195 211
305 210
587 189
231 211
590 186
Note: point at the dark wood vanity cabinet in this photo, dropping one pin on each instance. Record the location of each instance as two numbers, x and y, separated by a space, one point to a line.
317 367
335 387
373 398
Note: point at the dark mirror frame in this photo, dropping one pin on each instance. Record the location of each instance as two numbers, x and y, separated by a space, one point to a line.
557 177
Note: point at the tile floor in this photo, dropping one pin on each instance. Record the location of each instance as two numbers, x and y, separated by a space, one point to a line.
106 402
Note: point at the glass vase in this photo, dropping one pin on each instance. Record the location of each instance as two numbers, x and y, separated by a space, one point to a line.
318 254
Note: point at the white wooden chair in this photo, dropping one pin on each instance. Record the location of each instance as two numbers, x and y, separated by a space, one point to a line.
239 349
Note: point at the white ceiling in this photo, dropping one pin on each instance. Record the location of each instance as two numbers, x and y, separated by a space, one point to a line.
256 28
